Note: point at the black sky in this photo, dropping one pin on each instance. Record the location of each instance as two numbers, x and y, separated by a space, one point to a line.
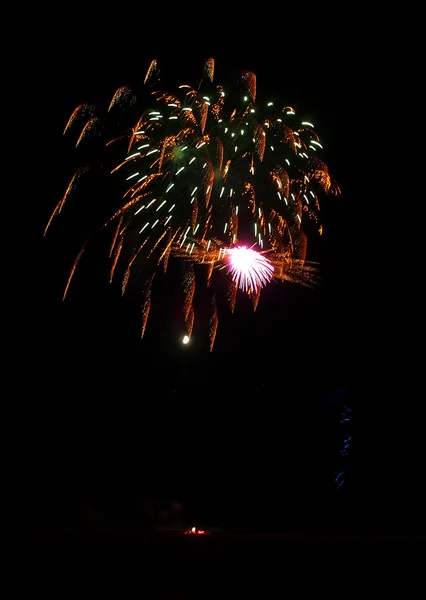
269 370
308 335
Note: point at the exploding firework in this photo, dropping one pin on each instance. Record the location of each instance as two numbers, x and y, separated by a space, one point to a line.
249 269
206 176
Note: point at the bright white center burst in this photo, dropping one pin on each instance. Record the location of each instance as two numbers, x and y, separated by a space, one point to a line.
249 269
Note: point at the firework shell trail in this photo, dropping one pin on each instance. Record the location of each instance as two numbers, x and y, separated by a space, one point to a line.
205 174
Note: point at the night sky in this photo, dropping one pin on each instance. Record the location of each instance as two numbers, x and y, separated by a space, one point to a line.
298 338
246 438
247 416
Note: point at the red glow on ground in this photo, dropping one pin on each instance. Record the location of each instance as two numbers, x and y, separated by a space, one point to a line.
195 531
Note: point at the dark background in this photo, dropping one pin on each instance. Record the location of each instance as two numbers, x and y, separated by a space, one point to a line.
299 341
244 438
249 417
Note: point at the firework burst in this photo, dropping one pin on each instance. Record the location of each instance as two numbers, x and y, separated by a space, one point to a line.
209 177
250 270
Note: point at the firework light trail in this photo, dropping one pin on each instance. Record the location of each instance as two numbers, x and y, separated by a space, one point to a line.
209 177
